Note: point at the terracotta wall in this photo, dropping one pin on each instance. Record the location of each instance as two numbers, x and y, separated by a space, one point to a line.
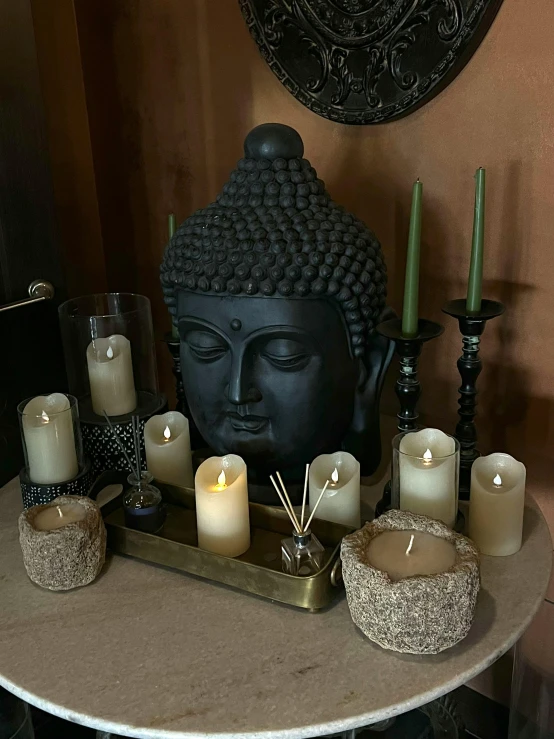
172 88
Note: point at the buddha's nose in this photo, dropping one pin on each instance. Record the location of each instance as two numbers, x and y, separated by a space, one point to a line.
241 389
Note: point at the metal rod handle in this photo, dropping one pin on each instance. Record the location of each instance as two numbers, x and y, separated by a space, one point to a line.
38 290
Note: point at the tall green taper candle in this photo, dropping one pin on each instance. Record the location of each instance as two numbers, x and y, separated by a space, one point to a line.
171 224
171 231
475 284
411 286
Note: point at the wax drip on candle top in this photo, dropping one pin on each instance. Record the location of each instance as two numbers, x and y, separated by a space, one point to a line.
410 545
497 482
109 353
167 434
45 417
335 476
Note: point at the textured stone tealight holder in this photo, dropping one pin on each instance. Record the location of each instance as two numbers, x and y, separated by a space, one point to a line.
421 614
66 557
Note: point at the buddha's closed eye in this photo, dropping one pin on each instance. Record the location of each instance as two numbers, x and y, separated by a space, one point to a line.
205 345
285 354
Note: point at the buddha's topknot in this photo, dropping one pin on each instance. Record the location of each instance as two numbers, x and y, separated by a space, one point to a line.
274 231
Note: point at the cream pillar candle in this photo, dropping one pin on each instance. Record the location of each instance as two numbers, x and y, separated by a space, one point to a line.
428 475
167 443
47 422
496 504
406 553
110 371
222 512
341 502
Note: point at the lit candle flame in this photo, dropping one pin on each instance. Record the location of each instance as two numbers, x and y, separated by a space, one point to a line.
221 481
497 480
167 433
60 514
109 353
427 455
410 545
45 417
335 476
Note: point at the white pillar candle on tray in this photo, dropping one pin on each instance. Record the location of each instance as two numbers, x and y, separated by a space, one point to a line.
427 471
222 512
496 504
47 422
167 443
110 371
407 553
341 502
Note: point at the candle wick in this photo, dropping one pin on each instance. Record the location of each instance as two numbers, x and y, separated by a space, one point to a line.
60 514
410 545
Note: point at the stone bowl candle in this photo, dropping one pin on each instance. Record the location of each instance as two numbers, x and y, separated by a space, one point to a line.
63 542
411 582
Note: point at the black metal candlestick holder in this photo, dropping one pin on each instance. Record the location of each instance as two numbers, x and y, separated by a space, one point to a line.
408 349
471 327
407 388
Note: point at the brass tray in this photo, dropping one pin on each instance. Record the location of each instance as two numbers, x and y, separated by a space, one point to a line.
257 571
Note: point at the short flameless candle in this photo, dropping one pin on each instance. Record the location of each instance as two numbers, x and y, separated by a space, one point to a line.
428 474
341 502
222 512
496 504
167 444
47 422
110 371
407 553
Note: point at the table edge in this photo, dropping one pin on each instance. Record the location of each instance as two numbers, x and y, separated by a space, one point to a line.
302 732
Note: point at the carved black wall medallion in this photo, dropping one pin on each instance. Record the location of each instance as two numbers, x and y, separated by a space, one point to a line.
367 61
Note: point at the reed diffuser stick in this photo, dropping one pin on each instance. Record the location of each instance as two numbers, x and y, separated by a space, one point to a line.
304 496
288 500
289 513
316 505
119 442
136 440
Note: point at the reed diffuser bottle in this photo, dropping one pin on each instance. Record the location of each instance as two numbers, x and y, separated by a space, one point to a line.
302 554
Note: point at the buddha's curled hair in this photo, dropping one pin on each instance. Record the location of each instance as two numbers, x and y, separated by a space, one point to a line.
274 231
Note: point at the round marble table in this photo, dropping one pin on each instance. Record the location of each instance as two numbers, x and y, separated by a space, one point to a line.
145 652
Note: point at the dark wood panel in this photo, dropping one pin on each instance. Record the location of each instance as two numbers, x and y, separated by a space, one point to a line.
32 359
71 157
28 241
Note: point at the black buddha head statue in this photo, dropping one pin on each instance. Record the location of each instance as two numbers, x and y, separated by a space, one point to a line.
276 291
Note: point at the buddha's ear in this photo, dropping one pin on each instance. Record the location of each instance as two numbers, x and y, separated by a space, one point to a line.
363 438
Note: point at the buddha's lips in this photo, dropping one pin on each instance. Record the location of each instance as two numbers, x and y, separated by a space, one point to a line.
247 423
